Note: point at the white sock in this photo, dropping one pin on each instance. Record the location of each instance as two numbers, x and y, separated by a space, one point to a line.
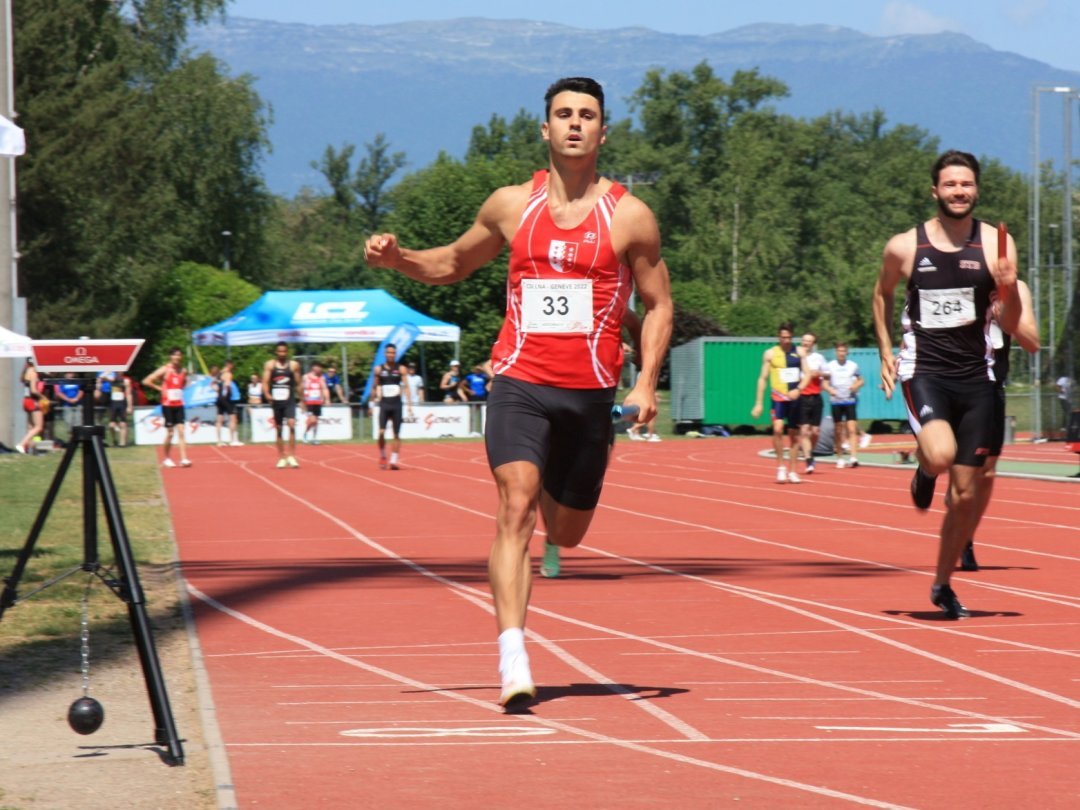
393 458
511 647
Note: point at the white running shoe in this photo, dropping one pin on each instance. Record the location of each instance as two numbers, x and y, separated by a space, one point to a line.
864 440
793 478
185 462
781 475
518 689
236 444
653 437
282 464
168 463
839 464
635 436
20 449
291 461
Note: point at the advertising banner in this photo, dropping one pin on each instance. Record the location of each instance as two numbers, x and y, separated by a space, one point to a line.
430 421
198 425
335 423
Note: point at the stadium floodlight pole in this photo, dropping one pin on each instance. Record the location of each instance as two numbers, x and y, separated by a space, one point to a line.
1036 223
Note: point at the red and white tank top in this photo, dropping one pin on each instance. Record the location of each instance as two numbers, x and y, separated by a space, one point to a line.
172 388
312 386
566 292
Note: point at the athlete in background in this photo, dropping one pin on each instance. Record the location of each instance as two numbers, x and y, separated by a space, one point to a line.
169 380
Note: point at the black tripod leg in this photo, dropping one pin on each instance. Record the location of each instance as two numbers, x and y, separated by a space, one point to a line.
165 728
11 583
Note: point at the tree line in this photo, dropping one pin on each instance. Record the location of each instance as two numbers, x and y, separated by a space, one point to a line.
142 179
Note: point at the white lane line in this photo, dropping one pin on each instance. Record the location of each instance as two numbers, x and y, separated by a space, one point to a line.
638 744
483 601
756 595
643 748
834 699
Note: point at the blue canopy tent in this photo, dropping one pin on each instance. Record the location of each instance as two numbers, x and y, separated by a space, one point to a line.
324 316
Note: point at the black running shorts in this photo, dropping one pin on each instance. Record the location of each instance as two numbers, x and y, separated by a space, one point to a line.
967 405
808 408
997 437
565 432
284 412
390 412
844 413
172 415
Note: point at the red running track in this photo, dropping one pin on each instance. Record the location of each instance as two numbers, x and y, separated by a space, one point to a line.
717 638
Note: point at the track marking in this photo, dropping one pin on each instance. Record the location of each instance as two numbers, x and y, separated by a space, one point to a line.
477 597
644 748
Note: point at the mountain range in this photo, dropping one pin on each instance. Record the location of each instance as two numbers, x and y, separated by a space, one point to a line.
425 85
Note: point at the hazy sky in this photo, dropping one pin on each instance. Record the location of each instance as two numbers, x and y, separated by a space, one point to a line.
1047 30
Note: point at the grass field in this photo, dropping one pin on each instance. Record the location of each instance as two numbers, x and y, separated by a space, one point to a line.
39 634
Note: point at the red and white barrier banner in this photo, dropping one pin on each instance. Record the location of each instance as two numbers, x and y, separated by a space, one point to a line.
335 423
198 425
430 421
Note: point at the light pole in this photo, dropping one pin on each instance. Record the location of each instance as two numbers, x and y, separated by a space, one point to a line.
225 236
1035 220
1051 298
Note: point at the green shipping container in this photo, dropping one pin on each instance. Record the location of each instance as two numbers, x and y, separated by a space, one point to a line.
714 380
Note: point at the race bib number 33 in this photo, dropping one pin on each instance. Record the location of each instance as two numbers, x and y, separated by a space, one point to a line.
947 309
550 306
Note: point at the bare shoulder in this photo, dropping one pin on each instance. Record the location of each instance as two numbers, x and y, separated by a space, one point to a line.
632 213
507 201
902 245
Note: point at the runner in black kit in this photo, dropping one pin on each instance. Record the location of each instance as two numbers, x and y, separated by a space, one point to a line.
1027 335
946 360
390 380
281 377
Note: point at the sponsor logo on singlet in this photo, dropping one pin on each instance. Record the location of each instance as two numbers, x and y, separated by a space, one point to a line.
969 264
561 255
925 265
590 237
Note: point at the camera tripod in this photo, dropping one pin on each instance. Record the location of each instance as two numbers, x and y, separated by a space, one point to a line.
89 438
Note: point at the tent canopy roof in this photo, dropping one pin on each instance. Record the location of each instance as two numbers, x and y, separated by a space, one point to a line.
322 316
12 344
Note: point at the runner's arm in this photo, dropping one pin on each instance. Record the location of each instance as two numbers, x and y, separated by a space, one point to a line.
447 264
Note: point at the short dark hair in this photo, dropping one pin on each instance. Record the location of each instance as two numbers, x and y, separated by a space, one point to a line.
840 344
390 346
574 84
954 157
786 327
279 344
174 350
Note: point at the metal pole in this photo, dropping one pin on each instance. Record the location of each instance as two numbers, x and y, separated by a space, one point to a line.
1066 213
11 416
1033 259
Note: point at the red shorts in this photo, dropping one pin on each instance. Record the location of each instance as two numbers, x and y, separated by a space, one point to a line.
30 404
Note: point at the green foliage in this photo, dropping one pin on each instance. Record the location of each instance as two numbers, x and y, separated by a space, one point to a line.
191 297
141 156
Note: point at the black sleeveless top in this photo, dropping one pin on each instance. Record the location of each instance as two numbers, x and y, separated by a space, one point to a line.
390 383
947 312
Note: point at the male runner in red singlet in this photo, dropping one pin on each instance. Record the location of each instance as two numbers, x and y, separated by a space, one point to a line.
946 360
578 245
314 393
169 381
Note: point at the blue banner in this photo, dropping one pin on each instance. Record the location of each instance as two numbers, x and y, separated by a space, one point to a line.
402 336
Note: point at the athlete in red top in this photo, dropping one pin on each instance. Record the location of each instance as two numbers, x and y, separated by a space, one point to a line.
170 380
577 243
315 393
